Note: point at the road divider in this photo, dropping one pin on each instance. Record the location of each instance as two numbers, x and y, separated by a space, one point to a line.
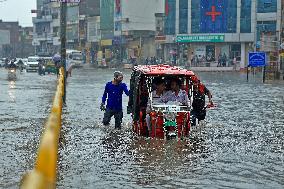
43 176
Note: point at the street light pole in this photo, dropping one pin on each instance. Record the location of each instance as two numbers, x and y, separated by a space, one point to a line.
63 10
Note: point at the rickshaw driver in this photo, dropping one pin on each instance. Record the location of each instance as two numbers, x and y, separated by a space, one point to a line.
156 96
198 105
176 94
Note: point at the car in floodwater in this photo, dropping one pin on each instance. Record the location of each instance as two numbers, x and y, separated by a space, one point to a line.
32 64
75 57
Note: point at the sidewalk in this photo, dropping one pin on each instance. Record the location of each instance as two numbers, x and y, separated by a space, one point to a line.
213 68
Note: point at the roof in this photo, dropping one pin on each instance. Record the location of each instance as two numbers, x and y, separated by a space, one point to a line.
162 69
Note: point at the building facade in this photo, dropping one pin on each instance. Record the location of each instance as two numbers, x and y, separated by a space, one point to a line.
210 29
10 39
134 26
46 38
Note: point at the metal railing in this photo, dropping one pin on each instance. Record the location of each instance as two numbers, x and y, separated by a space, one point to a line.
44 173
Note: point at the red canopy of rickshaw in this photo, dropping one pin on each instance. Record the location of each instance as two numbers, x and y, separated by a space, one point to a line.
162 70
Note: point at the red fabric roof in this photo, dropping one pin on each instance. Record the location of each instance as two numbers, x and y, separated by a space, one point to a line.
162 70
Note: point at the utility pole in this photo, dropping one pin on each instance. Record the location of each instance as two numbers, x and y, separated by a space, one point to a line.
63 10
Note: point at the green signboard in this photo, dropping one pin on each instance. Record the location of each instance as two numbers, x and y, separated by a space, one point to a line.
200 38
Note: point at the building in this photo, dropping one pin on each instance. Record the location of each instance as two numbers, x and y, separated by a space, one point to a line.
89 12
9 34
46 39
15 41
4 43
72 30
134 26
106 29
43 30
89 28
208 29
25 47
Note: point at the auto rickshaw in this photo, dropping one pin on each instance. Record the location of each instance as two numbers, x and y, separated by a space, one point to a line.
50 66
168 120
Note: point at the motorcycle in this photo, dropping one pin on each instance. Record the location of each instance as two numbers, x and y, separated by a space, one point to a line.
12 74
41 70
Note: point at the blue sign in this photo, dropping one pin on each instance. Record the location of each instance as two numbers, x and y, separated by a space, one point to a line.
257 59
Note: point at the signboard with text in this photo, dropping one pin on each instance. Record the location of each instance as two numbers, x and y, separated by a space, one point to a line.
200 38
257 59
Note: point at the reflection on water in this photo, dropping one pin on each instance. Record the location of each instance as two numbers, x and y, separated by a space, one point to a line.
11 91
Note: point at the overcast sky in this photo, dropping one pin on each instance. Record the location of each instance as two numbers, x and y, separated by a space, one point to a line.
17 10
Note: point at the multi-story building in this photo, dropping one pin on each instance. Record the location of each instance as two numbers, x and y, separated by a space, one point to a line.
134 26
47 27
89 12
4 42
43 36
209 29
25 47
9 38
89 28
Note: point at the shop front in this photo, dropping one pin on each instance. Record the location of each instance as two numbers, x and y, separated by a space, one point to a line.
210 48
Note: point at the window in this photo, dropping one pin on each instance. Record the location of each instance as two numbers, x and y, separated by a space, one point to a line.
266 6
245 16
265 27
232 16
170 22
183 16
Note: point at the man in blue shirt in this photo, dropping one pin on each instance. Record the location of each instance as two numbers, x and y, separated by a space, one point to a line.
113 94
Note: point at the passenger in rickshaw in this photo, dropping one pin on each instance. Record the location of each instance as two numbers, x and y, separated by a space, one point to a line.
176 94
156 96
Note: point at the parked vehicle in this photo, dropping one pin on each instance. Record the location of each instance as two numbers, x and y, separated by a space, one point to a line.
50 66
75 57
32 64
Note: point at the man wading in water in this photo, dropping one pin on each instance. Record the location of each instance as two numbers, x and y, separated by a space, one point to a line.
113 94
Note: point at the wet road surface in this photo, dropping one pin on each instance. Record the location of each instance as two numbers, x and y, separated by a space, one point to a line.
24 105
241 145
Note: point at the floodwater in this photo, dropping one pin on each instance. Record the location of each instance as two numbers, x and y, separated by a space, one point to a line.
24 106
241 146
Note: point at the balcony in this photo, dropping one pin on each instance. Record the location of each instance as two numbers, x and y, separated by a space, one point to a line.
47 18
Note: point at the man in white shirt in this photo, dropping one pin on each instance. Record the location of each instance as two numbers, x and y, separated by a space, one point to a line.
176 94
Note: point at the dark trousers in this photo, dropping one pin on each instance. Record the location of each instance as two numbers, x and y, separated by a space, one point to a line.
118 115
197 114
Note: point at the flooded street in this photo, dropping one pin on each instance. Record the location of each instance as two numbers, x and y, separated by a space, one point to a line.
241 145
24 105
